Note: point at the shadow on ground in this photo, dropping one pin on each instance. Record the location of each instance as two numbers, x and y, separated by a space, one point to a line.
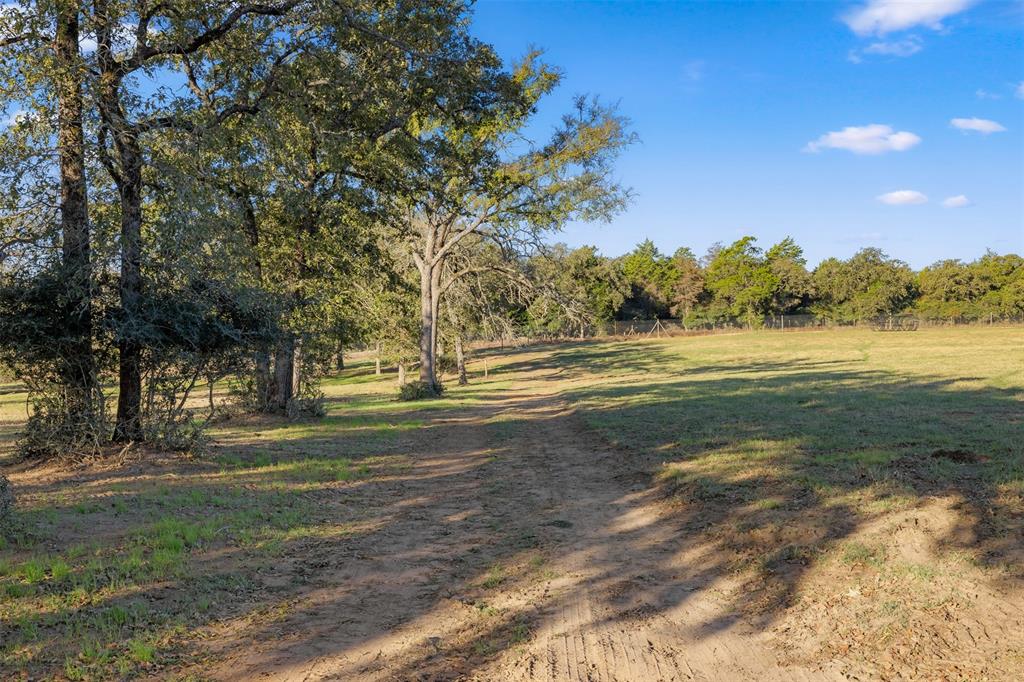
427 554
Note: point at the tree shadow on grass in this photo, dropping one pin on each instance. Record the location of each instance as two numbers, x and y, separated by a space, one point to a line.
151 549
813 455
767 475
763 474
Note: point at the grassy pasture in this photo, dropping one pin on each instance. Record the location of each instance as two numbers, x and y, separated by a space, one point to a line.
791 454
794 454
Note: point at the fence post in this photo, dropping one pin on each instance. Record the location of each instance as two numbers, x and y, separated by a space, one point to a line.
782 322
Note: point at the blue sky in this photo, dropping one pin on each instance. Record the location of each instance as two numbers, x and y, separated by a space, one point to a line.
734 103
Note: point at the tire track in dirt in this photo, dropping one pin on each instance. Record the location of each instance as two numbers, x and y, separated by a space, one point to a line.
626 599
627 606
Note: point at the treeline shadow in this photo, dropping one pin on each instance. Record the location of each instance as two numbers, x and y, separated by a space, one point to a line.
771 463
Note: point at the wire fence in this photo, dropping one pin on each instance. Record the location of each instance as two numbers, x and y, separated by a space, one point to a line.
677 327
513 337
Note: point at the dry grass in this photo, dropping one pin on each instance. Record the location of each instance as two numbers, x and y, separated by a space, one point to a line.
818 465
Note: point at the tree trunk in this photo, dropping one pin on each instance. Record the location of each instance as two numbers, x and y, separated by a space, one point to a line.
339 359
428 328
460 359
435 305
376 361
79 370
127 177
401 374
129 400
264 381
285 371
297 367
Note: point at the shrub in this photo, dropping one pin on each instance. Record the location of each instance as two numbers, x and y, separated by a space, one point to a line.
420 390
306 406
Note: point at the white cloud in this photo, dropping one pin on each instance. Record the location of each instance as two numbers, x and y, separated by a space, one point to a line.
898 48
1019 91
981 93
870 139
902 197
879 17
978 125
693 70
958 201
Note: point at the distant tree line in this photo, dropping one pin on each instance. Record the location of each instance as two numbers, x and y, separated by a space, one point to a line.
578 289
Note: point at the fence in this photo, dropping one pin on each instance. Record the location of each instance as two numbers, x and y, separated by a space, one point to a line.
675 327
678 327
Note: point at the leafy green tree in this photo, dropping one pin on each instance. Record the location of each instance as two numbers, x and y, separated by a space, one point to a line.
1000 281
477 175
652 276
688 286
575 290
272 167
948 289
867 285
122 120
41 68
741 281
793 288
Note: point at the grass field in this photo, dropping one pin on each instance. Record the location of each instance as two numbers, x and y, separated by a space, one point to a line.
829 502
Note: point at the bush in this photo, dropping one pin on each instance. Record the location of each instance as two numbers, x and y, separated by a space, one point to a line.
183 435
54 429
306 406
48 344
420 390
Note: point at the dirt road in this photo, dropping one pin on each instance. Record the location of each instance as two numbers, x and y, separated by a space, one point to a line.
515 547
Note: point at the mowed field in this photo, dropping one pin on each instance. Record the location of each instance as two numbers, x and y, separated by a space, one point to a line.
838 504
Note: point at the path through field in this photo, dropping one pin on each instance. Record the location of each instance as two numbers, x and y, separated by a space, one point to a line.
546 539
808 506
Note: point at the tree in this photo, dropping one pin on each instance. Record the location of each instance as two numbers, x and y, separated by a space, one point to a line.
331 149
486 302
793 283
471 179
948 290
574 291
109 51
688 287
741 281
1000 281
200 41
651 276
867 285
41 68
280 150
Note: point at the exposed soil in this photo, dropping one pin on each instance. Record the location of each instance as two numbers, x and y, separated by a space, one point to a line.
517 546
